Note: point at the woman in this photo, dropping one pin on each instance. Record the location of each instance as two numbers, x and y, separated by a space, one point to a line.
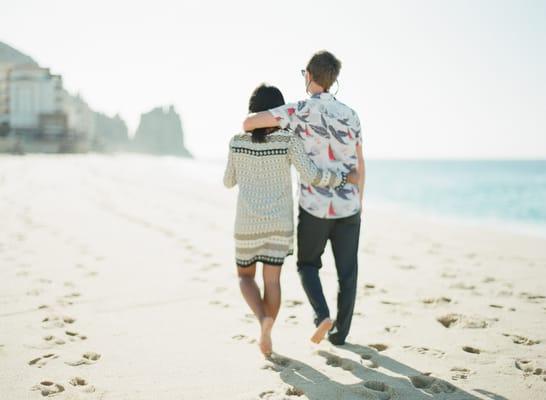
259 162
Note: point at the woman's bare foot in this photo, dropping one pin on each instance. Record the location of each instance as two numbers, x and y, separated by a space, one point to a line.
322 330
266 346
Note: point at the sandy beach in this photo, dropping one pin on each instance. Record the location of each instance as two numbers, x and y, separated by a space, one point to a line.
117 281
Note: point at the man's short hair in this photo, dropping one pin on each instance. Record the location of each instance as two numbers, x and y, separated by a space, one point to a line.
324 67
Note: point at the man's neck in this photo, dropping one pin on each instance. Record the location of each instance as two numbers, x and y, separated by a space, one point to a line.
314 92
315 89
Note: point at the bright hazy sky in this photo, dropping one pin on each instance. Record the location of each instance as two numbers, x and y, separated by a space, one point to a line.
432 78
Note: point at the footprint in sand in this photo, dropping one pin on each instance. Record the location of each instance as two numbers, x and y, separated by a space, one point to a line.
241 337
249 318
48 388
431 384
218 303
378 346
463 321
82 383
72 295
390 302
460 373
425 351
277 363
267 394
530 368
292 319
470 349
292 303
293 391
75 336
525 365
210 266
533 297
39 362
381 389
392 328
56 321
367 361
87 359
462 286
35 292
64 302
517 339
54 340
436 300
336 361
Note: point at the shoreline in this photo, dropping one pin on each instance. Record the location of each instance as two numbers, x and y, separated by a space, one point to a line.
519 228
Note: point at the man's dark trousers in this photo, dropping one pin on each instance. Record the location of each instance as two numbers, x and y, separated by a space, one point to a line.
343 233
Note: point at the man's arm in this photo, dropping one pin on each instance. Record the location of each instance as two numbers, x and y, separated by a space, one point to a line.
361 172
263 119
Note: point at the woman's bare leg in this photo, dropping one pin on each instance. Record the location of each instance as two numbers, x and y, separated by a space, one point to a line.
271 302
251 291
272 290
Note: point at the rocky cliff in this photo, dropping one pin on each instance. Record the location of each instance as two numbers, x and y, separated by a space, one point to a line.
160 132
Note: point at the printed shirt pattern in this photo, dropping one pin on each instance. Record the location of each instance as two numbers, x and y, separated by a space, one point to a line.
330 131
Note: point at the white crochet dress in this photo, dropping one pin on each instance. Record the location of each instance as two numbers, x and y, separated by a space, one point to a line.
264 227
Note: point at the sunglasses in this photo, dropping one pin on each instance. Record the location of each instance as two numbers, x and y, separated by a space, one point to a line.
303 72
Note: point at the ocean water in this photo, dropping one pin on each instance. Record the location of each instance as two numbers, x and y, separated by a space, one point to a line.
502 194
510 193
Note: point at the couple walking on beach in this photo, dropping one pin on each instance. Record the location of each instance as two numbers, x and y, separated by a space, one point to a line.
321 137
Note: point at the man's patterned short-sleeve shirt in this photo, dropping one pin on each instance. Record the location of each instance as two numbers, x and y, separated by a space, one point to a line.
330 131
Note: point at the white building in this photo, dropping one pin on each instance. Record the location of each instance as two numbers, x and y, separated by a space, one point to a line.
35 110
35 98
4 96
80 118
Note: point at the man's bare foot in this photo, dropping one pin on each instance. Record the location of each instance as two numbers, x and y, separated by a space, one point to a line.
266 345
322 330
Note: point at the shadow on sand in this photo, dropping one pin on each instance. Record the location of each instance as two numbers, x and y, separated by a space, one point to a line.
410 385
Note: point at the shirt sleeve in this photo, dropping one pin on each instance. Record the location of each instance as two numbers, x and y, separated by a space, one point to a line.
286 115
307 169
229 175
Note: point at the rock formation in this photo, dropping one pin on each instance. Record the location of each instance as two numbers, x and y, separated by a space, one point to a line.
160 132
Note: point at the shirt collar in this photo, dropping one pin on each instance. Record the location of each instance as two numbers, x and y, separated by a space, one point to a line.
323 96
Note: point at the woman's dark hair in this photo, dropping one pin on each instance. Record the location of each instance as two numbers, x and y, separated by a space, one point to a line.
264 98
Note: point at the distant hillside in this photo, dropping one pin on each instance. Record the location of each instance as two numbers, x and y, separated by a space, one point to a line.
9 55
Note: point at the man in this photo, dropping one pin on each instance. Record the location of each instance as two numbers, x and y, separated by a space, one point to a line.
332 138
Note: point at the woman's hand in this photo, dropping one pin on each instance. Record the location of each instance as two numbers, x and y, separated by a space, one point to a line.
353 177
